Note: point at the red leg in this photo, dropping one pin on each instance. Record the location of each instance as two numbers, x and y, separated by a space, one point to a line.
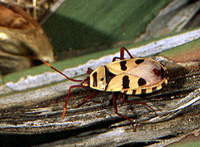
114 96
122 54
67 98
136 102
87 98
89 71
115 58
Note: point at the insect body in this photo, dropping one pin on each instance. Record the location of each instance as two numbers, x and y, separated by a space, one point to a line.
130 76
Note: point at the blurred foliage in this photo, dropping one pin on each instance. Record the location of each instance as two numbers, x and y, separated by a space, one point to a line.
80 27
22 41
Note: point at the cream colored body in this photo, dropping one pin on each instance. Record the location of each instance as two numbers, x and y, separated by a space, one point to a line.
137 77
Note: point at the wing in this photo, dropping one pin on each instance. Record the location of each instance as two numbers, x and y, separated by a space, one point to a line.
122 66
132 85
123 82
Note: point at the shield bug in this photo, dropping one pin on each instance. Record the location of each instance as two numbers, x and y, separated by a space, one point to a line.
130 76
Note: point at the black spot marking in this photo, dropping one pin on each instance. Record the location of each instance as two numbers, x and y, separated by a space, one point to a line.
125 82
94 79
109 76
134 92
154 89
141 82
102 78
138 61
143 91
123 65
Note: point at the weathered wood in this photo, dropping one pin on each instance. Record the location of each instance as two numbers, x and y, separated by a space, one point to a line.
95 123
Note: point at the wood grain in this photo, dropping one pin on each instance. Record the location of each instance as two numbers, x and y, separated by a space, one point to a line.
38 121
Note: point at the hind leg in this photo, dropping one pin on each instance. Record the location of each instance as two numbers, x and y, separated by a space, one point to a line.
122 54
136 102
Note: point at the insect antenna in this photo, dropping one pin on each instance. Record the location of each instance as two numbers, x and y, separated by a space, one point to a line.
60 72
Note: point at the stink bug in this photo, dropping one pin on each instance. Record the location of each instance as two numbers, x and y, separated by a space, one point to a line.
130 76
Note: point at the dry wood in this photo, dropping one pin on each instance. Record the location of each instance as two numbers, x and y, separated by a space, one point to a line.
95 123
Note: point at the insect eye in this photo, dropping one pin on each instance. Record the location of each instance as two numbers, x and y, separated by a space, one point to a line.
102 78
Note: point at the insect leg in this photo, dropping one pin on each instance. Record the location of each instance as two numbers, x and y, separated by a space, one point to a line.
114 97
87 98
89 71
122 54
136 102
67 98
115 58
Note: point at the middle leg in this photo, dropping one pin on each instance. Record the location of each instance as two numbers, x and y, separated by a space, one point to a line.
87 98
114 97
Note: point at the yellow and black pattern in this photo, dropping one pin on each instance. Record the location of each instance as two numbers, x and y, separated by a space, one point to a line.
130 76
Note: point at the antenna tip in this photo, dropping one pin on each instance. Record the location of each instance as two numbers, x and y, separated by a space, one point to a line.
63 116
45 62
